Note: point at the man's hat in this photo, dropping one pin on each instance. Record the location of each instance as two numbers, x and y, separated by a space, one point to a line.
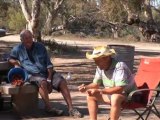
100 51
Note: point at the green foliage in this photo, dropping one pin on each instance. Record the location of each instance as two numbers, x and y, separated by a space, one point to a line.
135 5
156 15
4 5
73 7
62 48
109 10
43 15
16 20
129 30
113 11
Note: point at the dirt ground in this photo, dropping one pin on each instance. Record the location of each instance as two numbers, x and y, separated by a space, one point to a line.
82 71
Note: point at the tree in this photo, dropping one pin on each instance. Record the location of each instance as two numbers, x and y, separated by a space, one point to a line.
16 20
4 5
147 26
53 7
32 17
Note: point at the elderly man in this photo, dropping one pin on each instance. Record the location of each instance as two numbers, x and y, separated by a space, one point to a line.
32 56
116 78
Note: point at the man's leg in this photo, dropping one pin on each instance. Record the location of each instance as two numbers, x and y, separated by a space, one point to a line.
42 85
66 94
116 101
43 91
93 105
60 84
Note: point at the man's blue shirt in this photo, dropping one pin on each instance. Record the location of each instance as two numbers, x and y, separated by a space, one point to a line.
34 61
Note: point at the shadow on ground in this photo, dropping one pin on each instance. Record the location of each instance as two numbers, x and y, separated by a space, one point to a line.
82 72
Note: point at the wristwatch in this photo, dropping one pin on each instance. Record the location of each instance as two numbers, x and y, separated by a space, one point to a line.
48 80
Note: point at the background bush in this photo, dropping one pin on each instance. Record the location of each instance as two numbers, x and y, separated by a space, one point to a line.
16 20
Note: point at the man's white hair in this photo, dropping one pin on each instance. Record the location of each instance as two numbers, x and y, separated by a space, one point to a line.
23 32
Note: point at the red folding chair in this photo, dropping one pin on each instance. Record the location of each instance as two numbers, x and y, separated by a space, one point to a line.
148 82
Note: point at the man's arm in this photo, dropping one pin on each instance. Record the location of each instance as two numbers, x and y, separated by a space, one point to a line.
94 85
113 90
14 62
84 88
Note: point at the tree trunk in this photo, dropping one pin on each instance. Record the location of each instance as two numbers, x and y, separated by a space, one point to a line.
48 24
35 19
32 17
148 11
115 32
53 8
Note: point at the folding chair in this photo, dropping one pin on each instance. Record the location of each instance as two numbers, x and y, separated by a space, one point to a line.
148 82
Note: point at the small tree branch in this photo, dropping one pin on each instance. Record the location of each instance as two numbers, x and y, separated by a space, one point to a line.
157 10
25 10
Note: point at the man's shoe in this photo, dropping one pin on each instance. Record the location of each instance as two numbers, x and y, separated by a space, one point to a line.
54 111
75 113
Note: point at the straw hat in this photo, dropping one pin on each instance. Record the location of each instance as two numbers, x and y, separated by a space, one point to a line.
100 51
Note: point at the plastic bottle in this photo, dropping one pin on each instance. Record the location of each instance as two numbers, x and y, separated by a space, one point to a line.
69 76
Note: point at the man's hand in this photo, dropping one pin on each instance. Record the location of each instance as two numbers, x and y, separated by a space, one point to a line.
17 66
82 88
91 92
14 62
